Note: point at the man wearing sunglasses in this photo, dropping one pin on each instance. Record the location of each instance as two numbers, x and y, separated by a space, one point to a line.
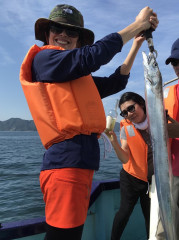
65 103
171 97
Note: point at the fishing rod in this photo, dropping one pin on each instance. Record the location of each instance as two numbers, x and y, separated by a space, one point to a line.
170 81
149 39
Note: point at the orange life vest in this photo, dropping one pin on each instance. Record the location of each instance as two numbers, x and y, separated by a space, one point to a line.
62 110
137 165
171 101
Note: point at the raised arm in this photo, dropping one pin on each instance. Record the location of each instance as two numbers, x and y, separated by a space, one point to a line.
122 151
127 64
144 20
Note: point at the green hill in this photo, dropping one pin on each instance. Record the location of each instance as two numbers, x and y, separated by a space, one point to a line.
17 124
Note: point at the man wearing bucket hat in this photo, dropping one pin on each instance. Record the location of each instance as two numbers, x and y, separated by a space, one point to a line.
65 103
64 16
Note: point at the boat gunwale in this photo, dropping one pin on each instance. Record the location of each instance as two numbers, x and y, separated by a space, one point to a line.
29 227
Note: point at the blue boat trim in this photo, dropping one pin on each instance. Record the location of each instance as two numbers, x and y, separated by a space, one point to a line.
24 228
99 186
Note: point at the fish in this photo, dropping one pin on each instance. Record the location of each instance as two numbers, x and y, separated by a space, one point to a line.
157 122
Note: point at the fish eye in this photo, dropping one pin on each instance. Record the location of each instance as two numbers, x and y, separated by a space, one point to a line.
155 64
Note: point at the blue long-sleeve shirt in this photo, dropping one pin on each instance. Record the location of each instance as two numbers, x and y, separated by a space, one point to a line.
82 151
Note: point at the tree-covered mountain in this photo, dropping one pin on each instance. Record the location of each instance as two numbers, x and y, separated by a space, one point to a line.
17 124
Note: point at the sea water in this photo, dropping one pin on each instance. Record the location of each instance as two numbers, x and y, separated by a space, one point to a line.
21 155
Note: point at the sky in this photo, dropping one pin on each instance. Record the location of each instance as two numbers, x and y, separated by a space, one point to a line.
102 17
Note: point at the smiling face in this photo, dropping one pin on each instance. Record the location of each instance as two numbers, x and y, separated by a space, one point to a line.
137 116
63 40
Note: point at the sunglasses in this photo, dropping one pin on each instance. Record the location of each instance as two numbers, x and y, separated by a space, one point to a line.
130 109
69 32
175 62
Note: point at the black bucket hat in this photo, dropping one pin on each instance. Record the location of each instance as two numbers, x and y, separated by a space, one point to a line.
66 16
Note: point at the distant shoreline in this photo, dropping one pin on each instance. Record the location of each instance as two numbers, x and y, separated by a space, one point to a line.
17 124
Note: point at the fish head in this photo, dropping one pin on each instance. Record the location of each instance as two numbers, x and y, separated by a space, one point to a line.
151 70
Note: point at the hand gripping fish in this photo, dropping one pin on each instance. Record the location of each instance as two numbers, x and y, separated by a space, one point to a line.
159 137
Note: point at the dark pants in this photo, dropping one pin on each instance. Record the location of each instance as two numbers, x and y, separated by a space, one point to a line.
131 189
63 234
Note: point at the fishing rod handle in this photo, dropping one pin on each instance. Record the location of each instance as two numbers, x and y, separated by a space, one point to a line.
148 33
149 38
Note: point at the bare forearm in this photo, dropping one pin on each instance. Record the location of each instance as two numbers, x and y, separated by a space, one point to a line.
173 130
121 154
127 64
131 31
